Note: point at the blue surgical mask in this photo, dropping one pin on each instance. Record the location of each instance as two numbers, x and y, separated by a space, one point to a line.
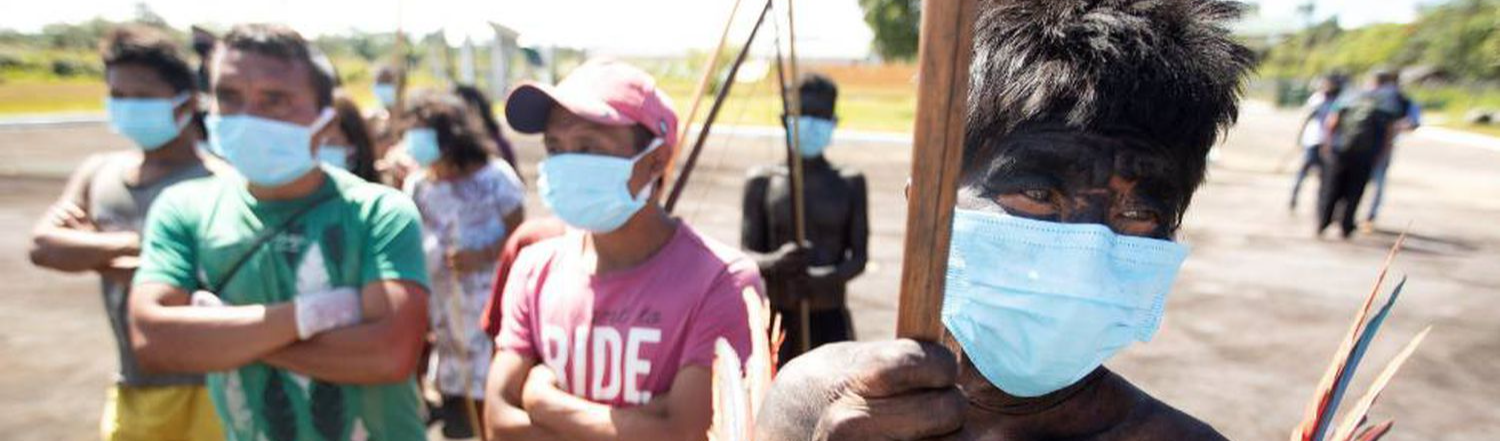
1038 305
813 135
334 155
150 122
267 152
422 145
385 93
592 192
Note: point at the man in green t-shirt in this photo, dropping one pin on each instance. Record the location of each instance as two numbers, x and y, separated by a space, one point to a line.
300 289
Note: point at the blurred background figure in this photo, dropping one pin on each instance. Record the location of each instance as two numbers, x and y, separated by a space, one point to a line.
351 147
96 224
469 203
837 228
1361 127
1314 131
481 107
1406 125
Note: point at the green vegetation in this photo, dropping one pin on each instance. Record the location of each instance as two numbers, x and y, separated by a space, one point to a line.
1454 45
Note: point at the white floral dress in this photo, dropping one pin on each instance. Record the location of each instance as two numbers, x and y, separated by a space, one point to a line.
463 214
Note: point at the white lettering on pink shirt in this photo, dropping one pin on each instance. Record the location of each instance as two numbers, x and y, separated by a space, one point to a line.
618 366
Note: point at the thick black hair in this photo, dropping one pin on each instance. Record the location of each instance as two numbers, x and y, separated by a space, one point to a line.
284 43
1163 73
461 138
352 124
817 95
149 47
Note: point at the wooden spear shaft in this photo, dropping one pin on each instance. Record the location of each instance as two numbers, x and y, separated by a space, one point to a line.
702 89
713 113
799 223
944 53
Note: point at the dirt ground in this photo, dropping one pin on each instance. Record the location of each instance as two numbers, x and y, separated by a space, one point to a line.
1259 309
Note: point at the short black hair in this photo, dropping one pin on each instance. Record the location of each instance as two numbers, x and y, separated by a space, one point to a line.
284 43
1165 73
462 139
149 47
817 95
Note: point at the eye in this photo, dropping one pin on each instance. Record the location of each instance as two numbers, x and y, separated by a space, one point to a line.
1038 195
1138 222
1139 215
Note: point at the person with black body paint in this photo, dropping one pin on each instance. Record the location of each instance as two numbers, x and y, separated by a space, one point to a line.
837 227
1089 124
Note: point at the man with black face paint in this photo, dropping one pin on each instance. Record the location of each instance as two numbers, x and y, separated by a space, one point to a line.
1089 123
299 289
836 221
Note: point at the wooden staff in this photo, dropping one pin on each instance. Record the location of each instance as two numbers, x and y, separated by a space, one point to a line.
713 113
702 89
790 107
804 305
943 57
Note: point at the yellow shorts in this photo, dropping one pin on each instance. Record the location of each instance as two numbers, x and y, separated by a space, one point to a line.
166 413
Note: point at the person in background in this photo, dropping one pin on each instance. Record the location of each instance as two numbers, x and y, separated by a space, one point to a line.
609 330
1404 127
479 105
469 204
1314 132
351 147
298 288
95 225
836 221
391 160
1361 128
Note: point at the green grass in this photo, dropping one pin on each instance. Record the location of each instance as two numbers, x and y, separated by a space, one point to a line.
29 96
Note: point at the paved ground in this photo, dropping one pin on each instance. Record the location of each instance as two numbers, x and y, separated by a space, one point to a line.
1260 307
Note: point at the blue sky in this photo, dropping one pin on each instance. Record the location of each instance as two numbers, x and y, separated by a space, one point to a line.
826 28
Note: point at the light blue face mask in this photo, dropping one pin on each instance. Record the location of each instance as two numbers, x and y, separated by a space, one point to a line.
269 153
385 93
1038 305
813 135
334 155
592 192
422 145
149 122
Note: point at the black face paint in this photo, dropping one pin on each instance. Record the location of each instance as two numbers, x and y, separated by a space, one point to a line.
1073 177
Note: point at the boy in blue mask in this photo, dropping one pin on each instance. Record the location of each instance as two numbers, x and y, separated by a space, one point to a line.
837 228
95 226
1089 123
298 288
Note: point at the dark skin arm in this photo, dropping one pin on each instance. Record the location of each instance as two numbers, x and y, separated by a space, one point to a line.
504 416
857 236
66 239
168 335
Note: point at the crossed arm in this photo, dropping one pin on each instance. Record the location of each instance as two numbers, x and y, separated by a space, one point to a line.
523 402
168 335
66 239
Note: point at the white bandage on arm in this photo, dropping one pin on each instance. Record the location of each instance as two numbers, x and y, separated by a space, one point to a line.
324 310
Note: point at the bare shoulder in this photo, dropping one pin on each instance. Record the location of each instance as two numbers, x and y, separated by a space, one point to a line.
1153 419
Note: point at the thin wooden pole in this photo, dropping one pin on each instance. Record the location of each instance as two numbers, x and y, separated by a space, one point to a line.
943 57
804 305
713 113
708 74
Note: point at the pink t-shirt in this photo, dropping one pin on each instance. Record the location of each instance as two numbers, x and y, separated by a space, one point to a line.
620 338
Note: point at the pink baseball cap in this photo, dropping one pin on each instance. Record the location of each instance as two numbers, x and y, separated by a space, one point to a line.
605 92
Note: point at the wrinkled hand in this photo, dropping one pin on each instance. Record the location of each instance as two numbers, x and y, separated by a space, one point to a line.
467 261
539 382
890 390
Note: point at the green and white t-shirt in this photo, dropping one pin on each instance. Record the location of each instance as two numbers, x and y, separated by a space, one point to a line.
358 233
